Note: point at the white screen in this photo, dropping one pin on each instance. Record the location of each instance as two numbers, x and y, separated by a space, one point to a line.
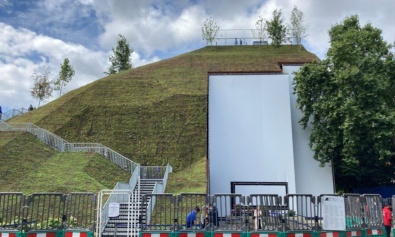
250 132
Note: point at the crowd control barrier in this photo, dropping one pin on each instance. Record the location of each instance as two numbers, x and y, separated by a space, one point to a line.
219 215
47 214
262 215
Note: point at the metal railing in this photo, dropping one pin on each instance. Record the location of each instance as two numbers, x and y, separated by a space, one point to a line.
247 36
152 172
12 113
220 212
169 169
256 212
47 211
62 145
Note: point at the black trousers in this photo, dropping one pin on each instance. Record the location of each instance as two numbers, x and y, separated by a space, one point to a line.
388 230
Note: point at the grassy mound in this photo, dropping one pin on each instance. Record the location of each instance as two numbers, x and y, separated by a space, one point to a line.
28 166
157 114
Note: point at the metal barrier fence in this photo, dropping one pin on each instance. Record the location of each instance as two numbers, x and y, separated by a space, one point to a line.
200 214
265 211
12 113
152 172
247 37
256 212
47 211
80 210
11 210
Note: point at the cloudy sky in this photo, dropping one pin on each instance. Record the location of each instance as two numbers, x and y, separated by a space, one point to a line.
39 34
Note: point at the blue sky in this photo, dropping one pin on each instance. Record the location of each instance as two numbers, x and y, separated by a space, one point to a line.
37 34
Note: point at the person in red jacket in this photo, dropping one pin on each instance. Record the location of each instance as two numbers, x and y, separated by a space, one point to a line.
387 218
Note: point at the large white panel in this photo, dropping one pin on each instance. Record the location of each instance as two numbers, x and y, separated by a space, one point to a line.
310 177
250 131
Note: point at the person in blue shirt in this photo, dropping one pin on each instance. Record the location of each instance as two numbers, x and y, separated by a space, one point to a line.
191 217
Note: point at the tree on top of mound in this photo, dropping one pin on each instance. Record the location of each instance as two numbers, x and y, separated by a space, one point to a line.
120 58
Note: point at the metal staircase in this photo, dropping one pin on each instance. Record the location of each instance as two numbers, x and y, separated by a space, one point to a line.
118 226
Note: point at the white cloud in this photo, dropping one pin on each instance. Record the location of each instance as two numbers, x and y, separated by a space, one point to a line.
23 52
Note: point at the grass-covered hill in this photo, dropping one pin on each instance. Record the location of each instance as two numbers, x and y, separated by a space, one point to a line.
156 114
28 166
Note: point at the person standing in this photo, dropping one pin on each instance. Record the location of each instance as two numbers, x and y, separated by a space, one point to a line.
258 218
204 217
0 112
387 218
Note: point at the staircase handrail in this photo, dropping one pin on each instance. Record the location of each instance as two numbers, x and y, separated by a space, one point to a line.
169 169
159 188
133 181
4 126
62 145
44 135
151 203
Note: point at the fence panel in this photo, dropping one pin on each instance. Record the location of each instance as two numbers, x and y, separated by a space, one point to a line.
192 210
80 211
373 210
265 212
300 213
354 206
45 211
11 210
232 211
158 211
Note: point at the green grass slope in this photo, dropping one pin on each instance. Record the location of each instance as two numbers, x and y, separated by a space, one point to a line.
28 165
156 114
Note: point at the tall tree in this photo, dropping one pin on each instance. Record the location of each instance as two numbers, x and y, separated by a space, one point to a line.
260 29
209 30
65 75
276 28
120 59
349 98
42 88
297 29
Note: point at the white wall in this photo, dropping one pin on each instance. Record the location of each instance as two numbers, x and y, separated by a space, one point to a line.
254 136
250 132
310 178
